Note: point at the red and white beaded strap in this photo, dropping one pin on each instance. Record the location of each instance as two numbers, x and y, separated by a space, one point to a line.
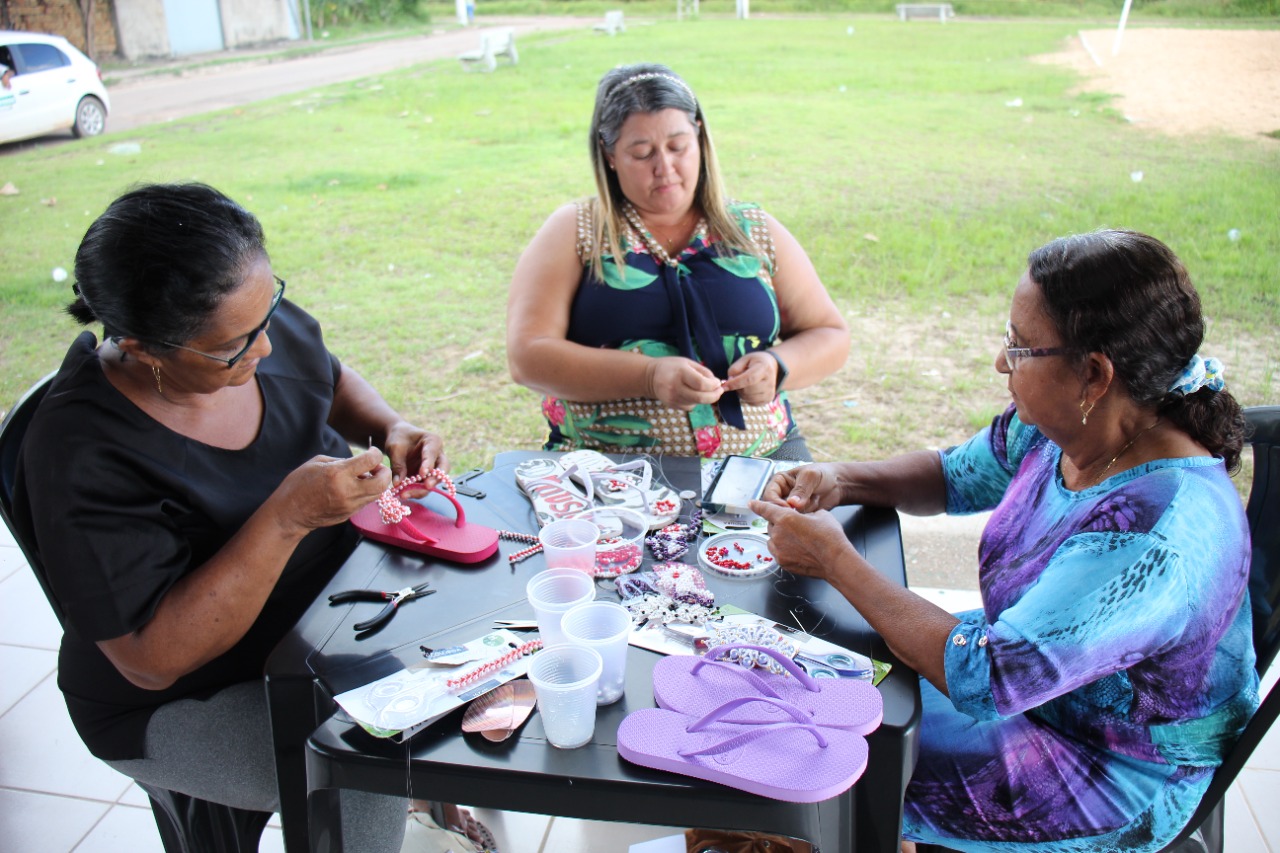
393 510
528 538
473 675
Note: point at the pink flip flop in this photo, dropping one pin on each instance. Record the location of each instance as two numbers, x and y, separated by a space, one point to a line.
694 686
387 520
793 761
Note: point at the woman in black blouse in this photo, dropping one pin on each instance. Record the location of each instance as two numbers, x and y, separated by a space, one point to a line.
186 495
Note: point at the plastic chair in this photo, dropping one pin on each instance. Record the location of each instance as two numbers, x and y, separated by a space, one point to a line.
186 824
1204 831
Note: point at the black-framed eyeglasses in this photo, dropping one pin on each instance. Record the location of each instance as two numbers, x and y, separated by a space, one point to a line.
252 337
1012 354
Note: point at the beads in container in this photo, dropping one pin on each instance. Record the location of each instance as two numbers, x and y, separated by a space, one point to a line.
618 551
737 555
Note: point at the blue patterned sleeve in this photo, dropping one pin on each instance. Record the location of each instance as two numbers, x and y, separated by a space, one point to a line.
1106 601
978 471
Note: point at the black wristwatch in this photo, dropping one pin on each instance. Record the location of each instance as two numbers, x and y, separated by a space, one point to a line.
783 371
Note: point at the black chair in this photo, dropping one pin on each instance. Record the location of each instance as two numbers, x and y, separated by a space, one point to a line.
1204 831
186 824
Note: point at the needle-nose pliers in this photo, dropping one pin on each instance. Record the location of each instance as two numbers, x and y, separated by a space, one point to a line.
393 600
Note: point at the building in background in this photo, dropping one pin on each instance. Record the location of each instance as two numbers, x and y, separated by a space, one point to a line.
143 29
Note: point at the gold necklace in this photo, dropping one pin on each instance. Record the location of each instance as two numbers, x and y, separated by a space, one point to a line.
1103 475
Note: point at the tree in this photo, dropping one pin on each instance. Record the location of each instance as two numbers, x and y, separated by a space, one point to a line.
86 14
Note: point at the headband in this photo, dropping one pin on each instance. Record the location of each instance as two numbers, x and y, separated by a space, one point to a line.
1199 373
652 75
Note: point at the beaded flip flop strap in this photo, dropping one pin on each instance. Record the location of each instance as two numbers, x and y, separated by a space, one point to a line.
393 509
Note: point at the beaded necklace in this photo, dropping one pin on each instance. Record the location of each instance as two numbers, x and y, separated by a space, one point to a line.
654 246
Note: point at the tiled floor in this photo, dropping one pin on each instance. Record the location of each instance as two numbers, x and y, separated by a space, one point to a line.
56 798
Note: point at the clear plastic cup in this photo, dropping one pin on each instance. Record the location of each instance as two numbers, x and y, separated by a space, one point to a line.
606 627
564 678
570 543
553 593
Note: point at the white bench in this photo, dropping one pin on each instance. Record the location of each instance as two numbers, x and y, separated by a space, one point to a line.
493 44
941 11
613 24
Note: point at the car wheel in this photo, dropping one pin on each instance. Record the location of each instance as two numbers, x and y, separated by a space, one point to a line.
91 117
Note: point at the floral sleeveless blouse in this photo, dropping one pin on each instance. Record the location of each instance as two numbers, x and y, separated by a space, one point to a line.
699 304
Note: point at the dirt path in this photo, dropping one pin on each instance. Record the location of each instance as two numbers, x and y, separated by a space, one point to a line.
1185 81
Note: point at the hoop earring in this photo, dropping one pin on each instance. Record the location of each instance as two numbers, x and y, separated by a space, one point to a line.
1084 415
155 372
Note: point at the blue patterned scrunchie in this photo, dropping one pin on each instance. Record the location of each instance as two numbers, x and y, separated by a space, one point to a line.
1199 373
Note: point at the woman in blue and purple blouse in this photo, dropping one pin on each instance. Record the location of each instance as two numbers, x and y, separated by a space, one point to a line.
1085 706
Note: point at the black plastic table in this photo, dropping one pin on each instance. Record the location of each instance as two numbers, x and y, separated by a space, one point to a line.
318 753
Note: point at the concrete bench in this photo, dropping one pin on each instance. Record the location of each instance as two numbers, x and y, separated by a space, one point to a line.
493 44
613 24
940 11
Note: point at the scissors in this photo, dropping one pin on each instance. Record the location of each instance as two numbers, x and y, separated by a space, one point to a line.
393 600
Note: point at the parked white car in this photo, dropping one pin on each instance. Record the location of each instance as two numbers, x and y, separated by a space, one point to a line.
54 87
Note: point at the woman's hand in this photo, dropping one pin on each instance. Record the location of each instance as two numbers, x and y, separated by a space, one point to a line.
812 544
808 488
413 451
682 383
325 491
754 377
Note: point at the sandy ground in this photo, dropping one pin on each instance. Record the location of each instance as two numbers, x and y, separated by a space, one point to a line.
1184 81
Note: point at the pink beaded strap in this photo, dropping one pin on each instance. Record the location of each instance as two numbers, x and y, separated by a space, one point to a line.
393 509
473 675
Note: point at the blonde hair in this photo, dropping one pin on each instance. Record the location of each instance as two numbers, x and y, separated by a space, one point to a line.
650 88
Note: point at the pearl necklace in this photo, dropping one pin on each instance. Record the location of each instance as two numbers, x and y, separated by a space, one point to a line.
655 247
1103 475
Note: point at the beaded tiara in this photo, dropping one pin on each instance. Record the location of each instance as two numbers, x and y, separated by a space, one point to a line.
652 75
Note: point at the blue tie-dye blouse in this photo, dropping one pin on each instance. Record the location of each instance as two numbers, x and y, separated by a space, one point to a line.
1112 662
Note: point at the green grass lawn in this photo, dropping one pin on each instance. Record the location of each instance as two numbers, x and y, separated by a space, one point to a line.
396 208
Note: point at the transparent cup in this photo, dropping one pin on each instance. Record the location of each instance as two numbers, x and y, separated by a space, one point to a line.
564 678
552 593
570 543
606 627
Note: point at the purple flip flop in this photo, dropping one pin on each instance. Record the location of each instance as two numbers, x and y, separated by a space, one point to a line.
793 761
695 686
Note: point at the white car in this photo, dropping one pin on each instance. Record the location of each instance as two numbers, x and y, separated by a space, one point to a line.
54 87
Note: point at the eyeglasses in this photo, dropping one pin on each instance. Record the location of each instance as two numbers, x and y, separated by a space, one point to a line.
1012 354
252 337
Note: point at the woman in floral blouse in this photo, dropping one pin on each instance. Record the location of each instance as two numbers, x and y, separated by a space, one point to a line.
660 316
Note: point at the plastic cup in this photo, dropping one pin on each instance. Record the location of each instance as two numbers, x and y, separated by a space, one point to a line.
553 593
570 543
606 627
620 548
564 678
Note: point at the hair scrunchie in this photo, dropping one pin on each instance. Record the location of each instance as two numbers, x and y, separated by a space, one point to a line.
1199 373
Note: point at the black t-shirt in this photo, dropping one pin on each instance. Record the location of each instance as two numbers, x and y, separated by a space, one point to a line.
120 507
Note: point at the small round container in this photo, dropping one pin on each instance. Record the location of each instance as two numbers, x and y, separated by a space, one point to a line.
620 548
737 555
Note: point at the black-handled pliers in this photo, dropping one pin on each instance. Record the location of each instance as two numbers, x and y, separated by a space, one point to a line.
393 600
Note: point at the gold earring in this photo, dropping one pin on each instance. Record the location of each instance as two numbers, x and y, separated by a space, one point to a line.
1084 415
155 371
